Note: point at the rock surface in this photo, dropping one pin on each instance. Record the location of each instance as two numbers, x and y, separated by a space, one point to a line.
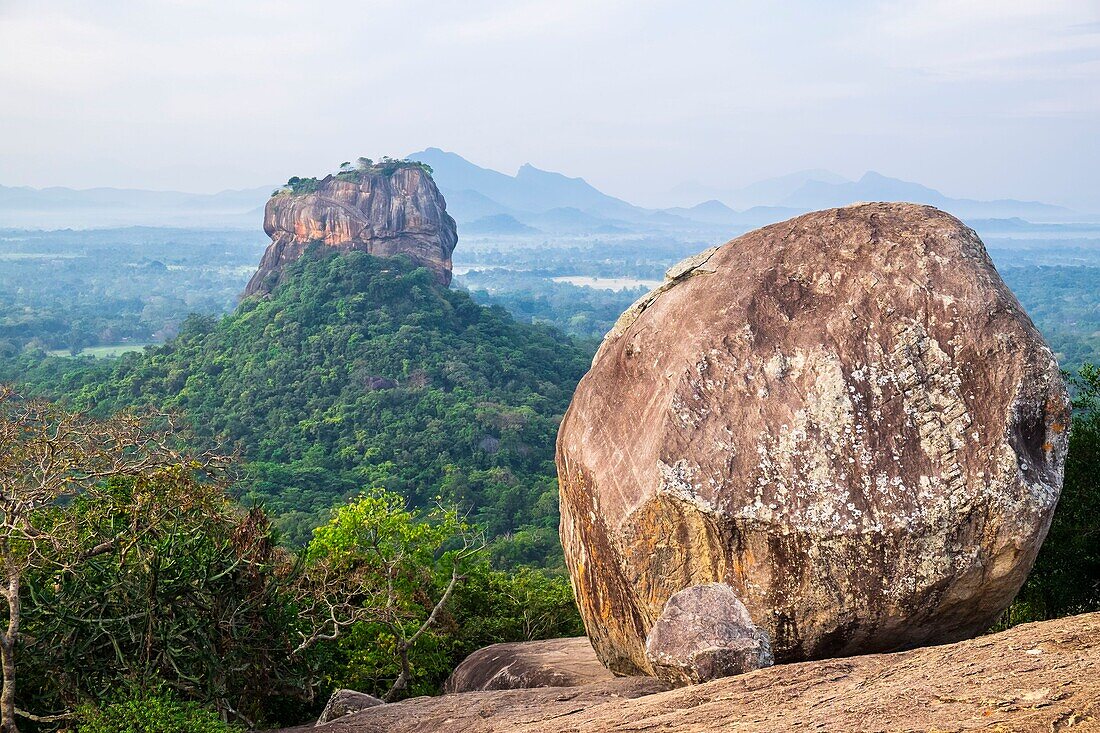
346 702
705 633
525 664
382 214
1037 677
846 417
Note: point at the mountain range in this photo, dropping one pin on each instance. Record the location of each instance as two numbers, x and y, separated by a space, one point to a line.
67 208
488 202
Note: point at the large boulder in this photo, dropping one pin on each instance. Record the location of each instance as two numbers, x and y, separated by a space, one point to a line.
846 418
382 210
524 664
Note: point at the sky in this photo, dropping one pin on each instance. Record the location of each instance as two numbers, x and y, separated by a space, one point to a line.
978 98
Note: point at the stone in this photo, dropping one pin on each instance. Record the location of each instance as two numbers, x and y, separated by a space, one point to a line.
400 212
703 633
846 418
524 664
346 702
1033 678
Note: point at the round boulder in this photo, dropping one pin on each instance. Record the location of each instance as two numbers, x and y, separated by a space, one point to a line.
846 418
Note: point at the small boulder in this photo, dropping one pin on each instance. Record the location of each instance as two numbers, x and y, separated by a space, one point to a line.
346 702
704 633
524 664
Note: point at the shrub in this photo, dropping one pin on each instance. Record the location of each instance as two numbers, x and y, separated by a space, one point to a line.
155 711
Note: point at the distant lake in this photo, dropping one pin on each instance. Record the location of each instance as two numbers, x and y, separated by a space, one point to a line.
606 283
465 269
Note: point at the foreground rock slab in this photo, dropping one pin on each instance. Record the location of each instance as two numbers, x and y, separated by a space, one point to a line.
847 418
1035 677
526 664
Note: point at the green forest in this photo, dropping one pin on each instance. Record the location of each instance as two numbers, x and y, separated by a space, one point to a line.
359 372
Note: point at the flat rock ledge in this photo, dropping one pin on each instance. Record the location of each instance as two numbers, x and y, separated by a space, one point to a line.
1035 677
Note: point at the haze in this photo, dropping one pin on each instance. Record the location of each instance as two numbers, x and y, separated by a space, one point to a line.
979 99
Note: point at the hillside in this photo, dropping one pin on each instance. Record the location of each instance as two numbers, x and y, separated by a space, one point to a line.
358 372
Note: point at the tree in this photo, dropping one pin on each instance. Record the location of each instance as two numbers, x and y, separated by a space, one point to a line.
49 458
197 605
387 567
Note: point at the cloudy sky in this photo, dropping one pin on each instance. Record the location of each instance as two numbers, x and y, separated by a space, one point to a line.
980 98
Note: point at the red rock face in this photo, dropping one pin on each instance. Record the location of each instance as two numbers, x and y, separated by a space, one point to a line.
383 215
846 417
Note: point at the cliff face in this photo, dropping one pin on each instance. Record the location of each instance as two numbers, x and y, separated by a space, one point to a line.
384 214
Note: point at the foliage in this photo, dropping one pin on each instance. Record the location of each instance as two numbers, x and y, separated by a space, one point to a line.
361 371
1066 576
414 555
51 459
363 168
409 564
141 710
198 599
202 605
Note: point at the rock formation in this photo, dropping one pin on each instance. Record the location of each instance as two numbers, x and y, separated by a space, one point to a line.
1037 677
380 211
524 664
846 418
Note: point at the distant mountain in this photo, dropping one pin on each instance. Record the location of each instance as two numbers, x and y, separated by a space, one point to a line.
530 191
1016 225
761 193
717 214
569 219
498 224
550 202
56 207
876 187
710 212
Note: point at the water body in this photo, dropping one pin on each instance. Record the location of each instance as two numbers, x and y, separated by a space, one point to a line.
606 283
